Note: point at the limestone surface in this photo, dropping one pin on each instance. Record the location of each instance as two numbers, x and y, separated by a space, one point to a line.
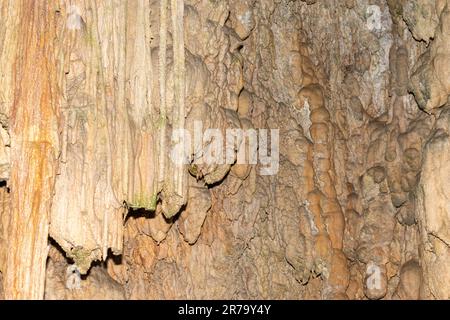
108 192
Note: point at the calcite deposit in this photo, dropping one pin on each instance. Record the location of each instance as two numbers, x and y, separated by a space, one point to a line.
107 191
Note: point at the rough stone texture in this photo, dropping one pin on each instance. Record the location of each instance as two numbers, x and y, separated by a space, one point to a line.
433 210
97 285
430 81
359 207
33 128
410 281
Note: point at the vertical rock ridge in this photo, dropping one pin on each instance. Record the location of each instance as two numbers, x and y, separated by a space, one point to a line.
34 135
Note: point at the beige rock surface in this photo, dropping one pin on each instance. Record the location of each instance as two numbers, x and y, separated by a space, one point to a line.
91 201
433 211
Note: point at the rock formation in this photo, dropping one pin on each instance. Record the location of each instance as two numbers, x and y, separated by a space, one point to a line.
108 192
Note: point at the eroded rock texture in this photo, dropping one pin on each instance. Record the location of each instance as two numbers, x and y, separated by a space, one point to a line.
92 203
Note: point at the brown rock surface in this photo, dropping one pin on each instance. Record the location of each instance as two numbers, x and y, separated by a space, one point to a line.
92 202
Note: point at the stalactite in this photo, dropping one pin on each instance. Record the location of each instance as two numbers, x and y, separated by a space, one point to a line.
141 110
87 215
177 9
173 175
162 90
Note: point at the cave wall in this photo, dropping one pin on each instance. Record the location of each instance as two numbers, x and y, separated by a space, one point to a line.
92 202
